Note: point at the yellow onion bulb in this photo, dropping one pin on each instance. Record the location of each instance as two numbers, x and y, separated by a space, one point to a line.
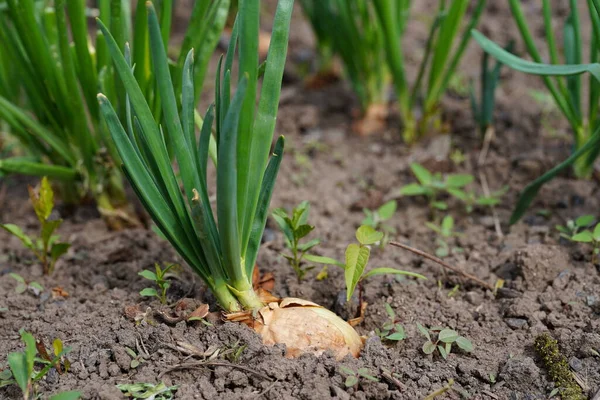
306 327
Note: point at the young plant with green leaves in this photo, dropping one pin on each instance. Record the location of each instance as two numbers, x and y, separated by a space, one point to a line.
488 81
442 339
564 82
391 330
22 285
572 227
295 227
353 377
49 97
153 391
471 199
442 54
46 247
376 219
160 278
357 258
445 232
589 236
23 370
432 185
221 246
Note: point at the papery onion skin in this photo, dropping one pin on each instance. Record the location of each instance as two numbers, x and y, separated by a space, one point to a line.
305 327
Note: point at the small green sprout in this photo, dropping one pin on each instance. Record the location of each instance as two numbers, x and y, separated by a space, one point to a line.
295 227
148 391
573 227
445 232
357 257
353 377
391 329
136 359
471 199
376 219
160 279
444 338
23 285
22 367
432 185
592 237
46 248
484 111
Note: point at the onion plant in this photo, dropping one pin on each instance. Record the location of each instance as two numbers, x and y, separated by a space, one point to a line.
441 56
349 29
564 83
220 245
48 94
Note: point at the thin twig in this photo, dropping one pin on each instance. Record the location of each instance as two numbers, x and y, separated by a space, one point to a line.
597 395
486 192
271 386
442 263
201 364
487 140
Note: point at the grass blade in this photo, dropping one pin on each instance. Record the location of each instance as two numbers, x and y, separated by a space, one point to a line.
533 188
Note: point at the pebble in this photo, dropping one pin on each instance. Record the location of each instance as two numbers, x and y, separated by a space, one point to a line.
516 323
506 293
474 298
576 364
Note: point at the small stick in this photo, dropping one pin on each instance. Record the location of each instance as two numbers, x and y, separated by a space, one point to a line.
442 263
271 386
487 140
597 395
486 191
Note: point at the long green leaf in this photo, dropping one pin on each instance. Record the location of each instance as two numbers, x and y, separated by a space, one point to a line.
531 67
533 188
227 176
262 210
264 125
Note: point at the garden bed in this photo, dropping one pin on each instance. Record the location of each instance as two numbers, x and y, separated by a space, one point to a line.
551 286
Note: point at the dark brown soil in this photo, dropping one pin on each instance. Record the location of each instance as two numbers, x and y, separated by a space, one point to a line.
551 286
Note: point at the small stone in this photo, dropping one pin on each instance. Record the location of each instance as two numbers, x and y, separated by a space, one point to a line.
340 393
562 280
506 293
474 298
114 370
487 221
516 323
576 364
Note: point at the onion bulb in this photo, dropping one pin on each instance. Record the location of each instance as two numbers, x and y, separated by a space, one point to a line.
304 327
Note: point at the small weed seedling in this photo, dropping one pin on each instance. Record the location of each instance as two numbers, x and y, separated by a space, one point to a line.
445 232
148 391
295 228
391 330
160 279
23 285
357 257
444 338
353 377
376 219
472 200
46 248
592 237
573 227
136 359
432 185
22 367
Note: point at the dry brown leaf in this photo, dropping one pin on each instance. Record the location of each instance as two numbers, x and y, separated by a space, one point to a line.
59 292
199 312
